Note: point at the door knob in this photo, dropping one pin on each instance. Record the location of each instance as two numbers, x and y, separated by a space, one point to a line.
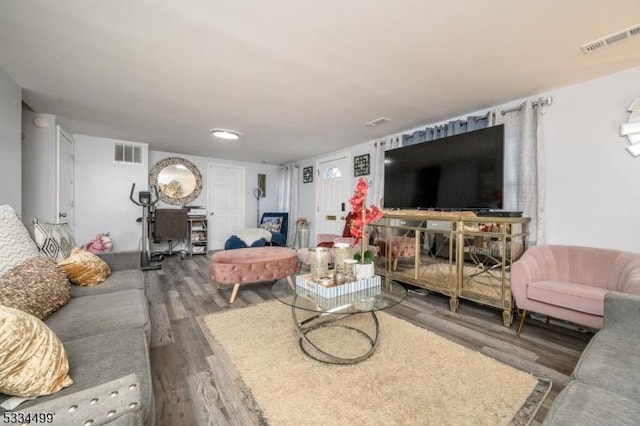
62 215
211 213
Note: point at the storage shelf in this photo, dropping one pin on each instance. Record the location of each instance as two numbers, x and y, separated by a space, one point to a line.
198 235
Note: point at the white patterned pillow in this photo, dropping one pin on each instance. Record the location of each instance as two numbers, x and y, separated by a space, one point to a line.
53 239
16 244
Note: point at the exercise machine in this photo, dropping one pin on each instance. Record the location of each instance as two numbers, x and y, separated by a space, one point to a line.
147 200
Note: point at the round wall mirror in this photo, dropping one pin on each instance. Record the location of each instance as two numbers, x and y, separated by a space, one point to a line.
178 180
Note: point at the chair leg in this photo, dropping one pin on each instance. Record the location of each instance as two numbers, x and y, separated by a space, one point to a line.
524 316
234 293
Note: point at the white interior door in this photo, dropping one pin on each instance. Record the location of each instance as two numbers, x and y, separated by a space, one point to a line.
64 185
334 191
225 195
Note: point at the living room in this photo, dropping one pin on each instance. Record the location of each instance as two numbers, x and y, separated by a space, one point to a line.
591 196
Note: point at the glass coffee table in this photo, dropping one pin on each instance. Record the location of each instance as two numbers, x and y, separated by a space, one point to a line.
312 313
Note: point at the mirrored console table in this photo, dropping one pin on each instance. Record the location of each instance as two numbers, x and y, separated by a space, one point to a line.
453 253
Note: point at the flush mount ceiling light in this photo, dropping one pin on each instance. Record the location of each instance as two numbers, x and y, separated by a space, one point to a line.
227 134
377 122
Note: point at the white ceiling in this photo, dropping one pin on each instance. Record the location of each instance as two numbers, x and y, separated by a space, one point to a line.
297 78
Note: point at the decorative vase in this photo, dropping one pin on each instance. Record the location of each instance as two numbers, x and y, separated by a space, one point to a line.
363 270
303 236
319 257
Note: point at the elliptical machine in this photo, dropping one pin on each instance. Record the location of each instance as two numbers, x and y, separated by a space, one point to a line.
146 200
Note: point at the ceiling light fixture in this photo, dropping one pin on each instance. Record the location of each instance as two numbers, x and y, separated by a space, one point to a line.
377 122
226 134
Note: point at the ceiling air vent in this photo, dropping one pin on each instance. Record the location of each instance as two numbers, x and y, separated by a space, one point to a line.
377 122
610 39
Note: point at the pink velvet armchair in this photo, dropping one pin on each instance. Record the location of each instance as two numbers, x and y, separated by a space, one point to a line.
570 282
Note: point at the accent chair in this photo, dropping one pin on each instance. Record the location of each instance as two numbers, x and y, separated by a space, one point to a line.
570 282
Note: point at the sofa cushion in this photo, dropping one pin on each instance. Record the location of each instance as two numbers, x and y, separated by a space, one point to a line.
346 232
84 268
36 286
101 364
33 361
234 242
53 239
587 405
611 361
101 313
132 279
16 244
121 261
582 298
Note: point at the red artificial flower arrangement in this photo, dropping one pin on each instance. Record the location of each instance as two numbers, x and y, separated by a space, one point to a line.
365 215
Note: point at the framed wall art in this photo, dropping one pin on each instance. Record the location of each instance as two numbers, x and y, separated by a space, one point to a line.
361 165
307 174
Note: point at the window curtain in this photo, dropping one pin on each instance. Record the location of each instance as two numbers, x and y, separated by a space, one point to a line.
377 167
524 165
288 197
451 128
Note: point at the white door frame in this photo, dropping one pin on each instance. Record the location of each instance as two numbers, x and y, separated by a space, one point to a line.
65 196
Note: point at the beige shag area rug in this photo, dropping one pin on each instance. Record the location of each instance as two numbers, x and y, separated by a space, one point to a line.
415 377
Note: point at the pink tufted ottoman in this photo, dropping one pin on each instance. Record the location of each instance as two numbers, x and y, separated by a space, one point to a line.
400 247
251 265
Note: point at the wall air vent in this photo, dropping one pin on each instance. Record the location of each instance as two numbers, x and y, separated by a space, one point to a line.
377 122
603 42
127 153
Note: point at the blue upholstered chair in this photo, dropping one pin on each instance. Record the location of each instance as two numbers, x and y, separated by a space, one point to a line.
278 224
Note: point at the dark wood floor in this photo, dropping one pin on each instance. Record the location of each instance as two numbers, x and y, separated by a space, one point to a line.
193 387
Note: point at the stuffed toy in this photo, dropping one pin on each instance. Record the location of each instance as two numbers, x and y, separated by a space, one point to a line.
101 244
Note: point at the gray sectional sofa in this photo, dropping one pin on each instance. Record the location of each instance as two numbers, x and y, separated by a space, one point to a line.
105 331
605 385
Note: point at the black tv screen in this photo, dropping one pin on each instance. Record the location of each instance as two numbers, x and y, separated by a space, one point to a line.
460 172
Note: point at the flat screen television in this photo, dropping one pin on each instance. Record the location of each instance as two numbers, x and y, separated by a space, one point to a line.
459 172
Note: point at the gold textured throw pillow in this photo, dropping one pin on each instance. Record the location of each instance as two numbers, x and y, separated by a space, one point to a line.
32 359
36 286
85 268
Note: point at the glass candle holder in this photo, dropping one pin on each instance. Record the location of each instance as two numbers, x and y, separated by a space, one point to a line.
348 270
319 259
341 251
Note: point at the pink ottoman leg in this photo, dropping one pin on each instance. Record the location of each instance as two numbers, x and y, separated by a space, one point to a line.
234 293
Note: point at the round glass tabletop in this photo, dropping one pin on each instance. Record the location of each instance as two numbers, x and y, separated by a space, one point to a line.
389 293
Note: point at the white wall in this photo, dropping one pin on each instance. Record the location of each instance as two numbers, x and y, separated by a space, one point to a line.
10 137
592 183
102 193
102 190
